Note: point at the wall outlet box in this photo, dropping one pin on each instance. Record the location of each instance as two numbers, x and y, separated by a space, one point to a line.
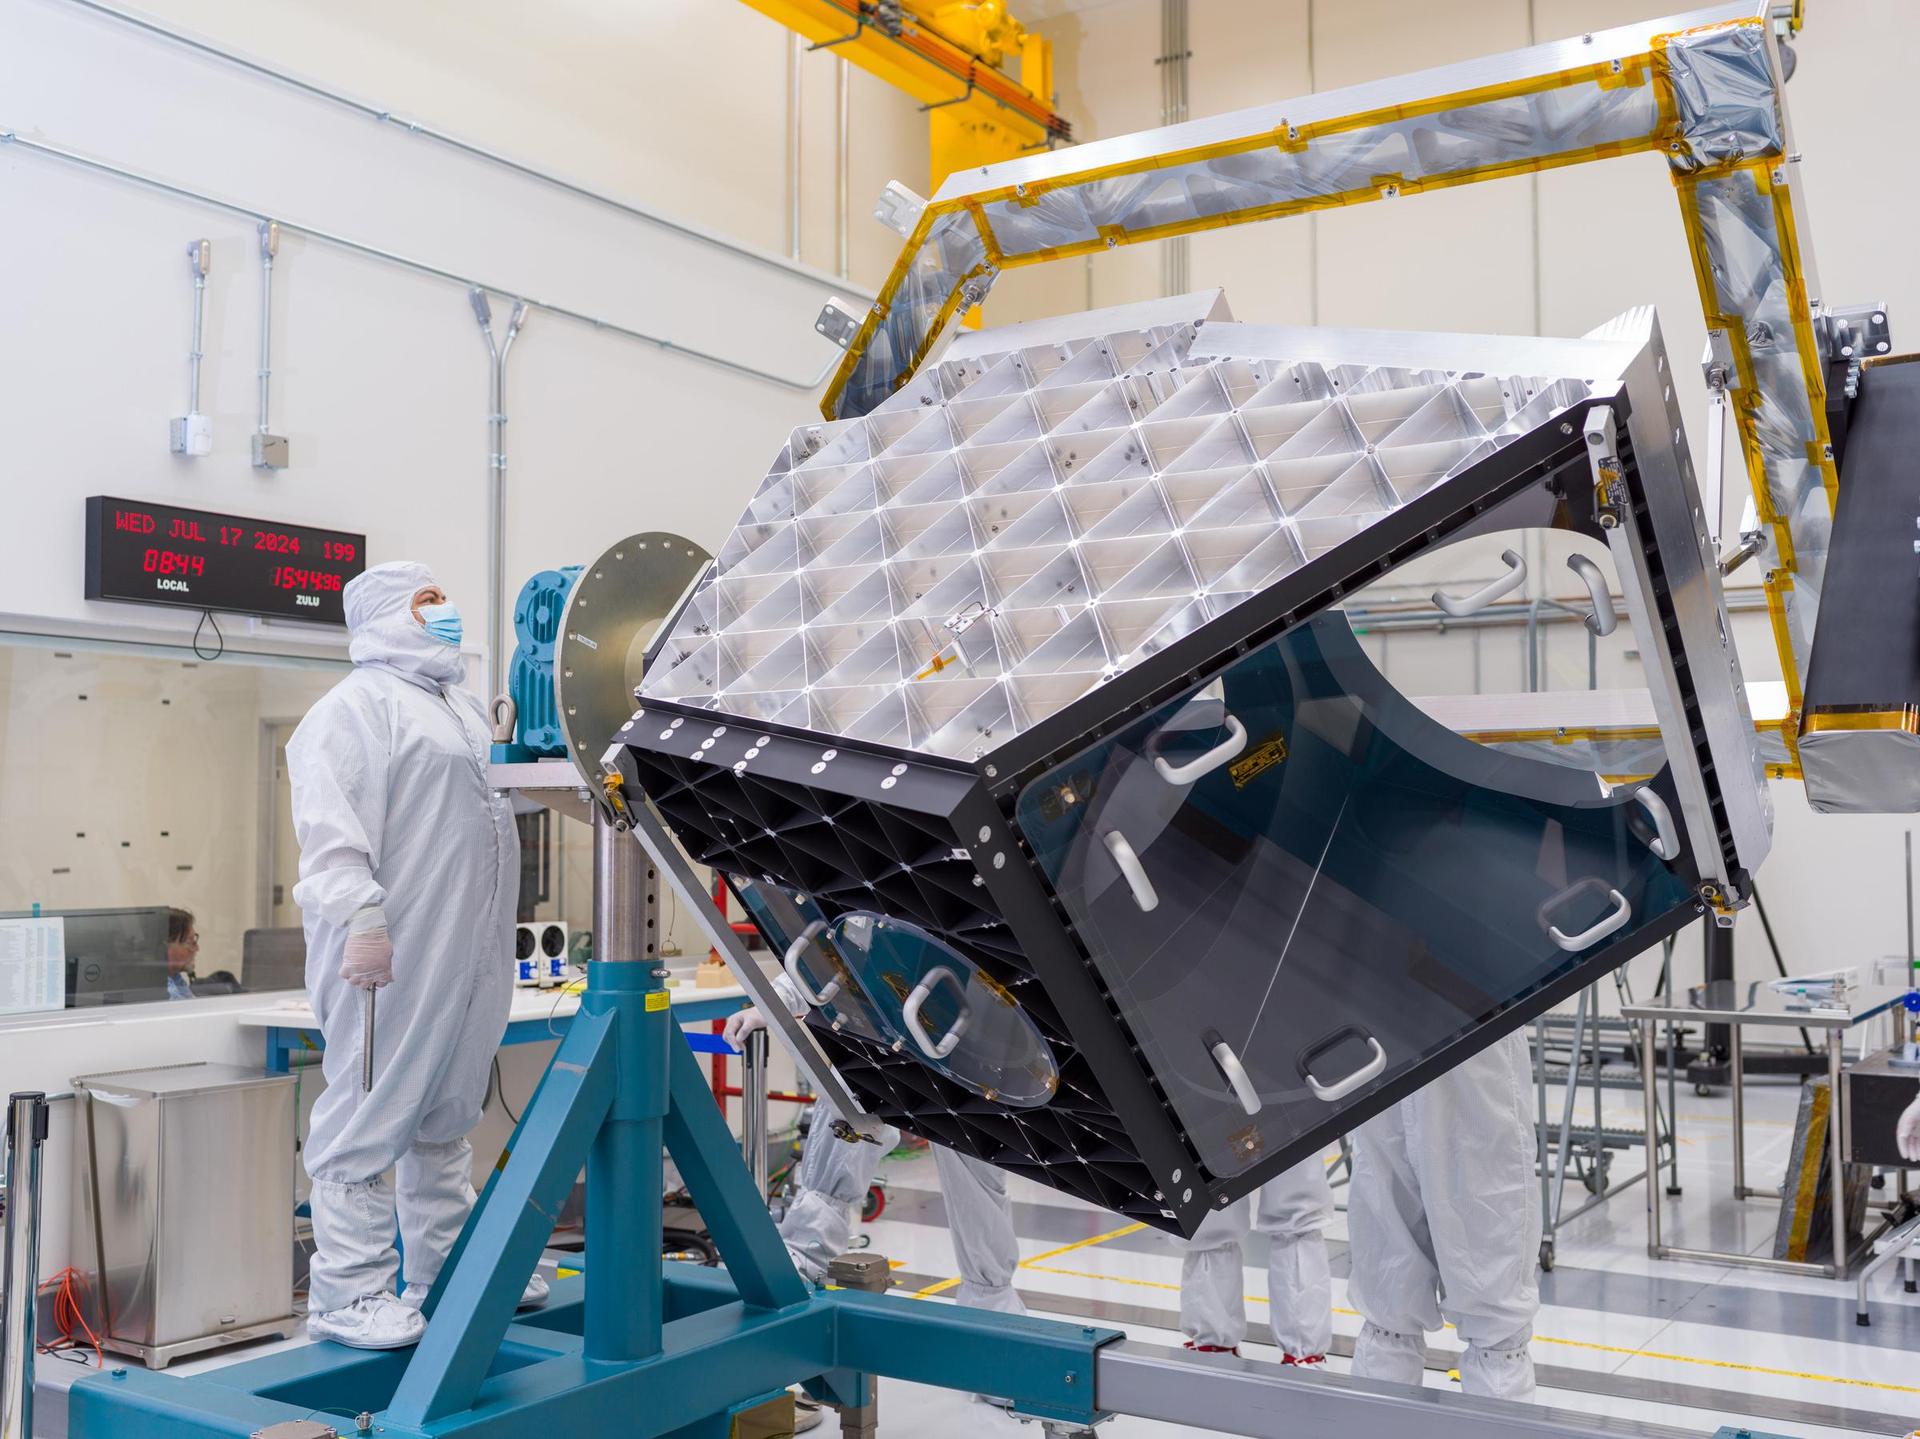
269 452
191 435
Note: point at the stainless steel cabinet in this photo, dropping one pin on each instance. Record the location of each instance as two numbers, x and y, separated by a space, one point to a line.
183 1207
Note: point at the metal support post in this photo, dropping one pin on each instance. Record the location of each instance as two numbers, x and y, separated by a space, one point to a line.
1650 1097
1717 961
269 449
868 1273
1736 1078
626 897
26 1132
843 170
1913 960
199 257
794 149
1673 1106
1575 1055
625 1175
269 247
497 352
1836 1149
1540 1137
753 1107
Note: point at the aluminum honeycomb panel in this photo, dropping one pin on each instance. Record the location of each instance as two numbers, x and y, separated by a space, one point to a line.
987 547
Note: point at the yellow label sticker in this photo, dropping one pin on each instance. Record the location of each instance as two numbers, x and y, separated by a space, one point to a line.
657 1000
1257 761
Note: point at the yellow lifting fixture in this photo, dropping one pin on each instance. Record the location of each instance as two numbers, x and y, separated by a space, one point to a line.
957 57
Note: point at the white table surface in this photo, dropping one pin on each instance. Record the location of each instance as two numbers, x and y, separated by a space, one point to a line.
297 1013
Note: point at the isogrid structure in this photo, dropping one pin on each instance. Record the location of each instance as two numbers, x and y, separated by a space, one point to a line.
1019 524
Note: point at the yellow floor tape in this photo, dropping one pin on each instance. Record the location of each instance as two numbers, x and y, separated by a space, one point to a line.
945 1284
1035 1265
1624 1350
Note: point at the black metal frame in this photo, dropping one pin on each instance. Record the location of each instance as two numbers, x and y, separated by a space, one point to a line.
1148 1169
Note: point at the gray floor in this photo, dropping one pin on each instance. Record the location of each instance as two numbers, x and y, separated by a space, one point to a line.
1691 1345
1686 1345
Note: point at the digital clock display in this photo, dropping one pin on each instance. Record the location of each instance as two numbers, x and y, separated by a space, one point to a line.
164 555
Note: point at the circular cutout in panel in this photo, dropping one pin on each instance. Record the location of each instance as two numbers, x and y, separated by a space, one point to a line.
1519 639
956 1018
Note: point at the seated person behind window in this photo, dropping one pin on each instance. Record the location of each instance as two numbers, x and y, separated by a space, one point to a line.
183 947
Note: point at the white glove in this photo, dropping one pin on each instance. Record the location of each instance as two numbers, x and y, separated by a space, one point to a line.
367 962
790 996
740 1024
1906 1132
751 1020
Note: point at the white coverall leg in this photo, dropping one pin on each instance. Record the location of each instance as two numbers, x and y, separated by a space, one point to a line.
392 808
1445 1221
1291 1210
980 1218
834 1176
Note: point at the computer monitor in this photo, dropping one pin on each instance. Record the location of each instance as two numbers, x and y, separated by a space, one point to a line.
114 956
273 959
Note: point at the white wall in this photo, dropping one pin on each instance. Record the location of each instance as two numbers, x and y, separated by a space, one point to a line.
1465 259
379 373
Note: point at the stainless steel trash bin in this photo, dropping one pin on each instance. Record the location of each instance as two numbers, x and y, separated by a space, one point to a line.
183 1207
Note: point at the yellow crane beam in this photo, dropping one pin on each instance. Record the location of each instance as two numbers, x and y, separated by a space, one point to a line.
951 56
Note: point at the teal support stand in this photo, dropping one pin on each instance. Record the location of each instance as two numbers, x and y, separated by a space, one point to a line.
636 1347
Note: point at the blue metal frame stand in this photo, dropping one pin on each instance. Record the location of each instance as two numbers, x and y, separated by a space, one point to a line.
635 1347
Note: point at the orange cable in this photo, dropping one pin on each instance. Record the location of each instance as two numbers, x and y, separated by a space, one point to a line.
67 1313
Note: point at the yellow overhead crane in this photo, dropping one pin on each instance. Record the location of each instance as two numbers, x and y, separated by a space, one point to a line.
952 56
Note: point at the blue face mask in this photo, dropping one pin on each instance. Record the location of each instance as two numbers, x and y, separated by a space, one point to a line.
442 622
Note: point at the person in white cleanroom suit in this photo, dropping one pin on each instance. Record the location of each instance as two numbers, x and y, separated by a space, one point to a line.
1290 1210
1444 1219
409 878
1907 1132
834 1175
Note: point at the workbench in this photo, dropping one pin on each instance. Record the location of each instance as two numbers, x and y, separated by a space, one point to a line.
536 1016
1738 1005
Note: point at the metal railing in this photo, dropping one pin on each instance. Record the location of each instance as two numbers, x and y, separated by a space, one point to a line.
26 1133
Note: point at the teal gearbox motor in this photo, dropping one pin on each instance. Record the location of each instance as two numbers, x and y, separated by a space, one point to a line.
537 615
581 636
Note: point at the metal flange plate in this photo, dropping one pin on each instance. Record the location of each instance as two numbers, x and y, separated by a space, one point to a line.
621 600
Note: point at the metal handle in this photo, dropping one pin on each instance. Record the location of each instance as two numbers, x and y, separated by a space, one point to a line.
753 1107
1573 943
1205 764
792 965
1465 605
1604 618
922 992
1666 841
1341 1088
1236 1074
506 716
366 1043
1131 870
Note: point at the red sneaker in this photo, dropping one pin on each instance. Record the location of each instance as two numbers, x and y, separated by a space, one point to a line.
1233 1349
1304 1360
